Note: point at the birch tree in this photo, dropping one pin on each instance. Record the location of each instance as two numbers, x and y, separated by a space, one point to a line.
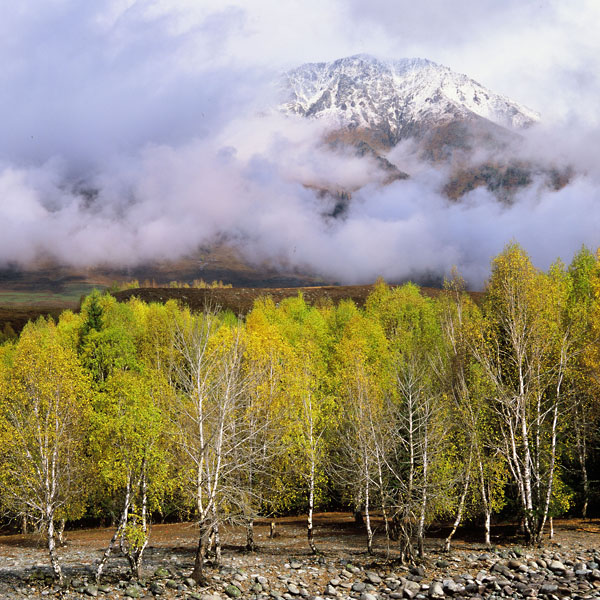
525 351
211 386
44 410
417 409
583 378
362 365
480 476
266 409
127 441
310 407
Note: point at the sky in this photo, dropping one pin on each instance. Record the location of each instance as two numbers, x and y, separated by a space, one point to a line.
138 130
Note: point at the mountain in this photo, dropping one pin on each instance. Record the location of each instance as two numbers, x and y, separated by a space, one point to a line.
385 102
371 105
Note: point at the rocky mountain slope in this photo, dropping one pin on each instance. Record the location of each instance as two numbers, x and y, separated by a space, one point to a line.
372 105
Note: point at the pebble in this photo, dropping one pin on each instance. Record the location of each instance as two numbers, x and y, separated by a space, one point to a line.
133 591
233 591
436 590
330 590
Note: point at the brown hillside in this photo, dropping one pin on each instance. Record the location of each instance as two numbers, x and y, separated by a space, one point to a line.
241 300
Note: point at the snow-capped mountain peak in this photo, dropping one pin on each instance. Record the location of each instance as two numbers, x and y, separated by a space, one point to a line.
398 99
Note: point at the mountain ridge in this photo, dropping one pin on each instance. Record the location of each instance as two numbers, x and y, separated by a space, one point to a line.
448 119
400 99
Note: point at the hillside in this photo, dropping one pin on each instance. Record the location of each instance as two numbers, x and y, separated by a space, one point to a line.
241 300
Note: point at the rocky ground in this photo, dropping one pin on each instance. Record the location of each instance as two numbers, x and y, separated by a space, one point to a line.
282 568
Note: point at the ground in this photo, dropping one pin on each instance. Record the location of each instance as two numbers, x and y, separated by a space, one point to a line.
24 571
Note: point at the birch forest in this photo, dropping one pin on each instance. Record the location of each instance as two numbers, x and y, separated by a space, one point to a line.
413 409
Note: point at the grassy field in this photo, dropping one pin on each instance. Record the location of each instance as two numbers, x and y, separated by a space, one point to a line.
67 296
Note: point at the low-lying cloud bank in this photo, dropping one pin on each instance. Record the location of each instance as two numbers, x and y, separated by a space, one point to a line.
167 200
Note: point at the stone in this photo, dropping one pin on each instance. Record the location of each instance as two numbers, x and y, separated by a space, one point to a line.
233 591
295 564
556 565
162 573
133 591
373 577
330 590
436 590
564 591
293 589
156 588
367 596
91 590
359 586
413 586
452 587
191 583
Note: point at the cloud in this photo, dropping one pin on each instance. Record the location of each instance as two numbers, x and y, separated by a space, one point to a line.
139 130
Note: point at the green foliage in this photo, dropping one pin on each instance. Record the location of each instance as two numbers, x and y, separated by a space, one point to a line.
406 398
92 311
7 334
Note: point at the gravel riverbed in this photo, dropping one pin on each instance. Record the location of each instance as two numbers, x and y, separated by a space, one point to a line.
282 568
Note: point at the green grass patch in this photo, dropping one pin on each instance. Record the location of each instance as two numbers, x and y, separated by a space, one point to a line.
68 295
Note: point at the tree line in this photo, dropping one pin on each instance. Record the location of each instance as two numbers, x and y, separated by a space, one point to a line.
413 408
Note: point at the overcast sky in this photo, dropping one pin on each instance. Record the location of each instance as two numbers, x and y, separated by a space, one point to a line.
101 92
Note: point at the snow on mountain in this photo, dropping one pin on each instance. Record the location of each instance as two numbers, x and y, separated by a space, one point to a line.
399 99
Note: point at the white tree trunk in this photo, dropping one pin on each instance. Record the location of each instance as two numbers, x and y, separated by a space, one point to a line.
52 545
311 506
461 506
117 533
367 512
